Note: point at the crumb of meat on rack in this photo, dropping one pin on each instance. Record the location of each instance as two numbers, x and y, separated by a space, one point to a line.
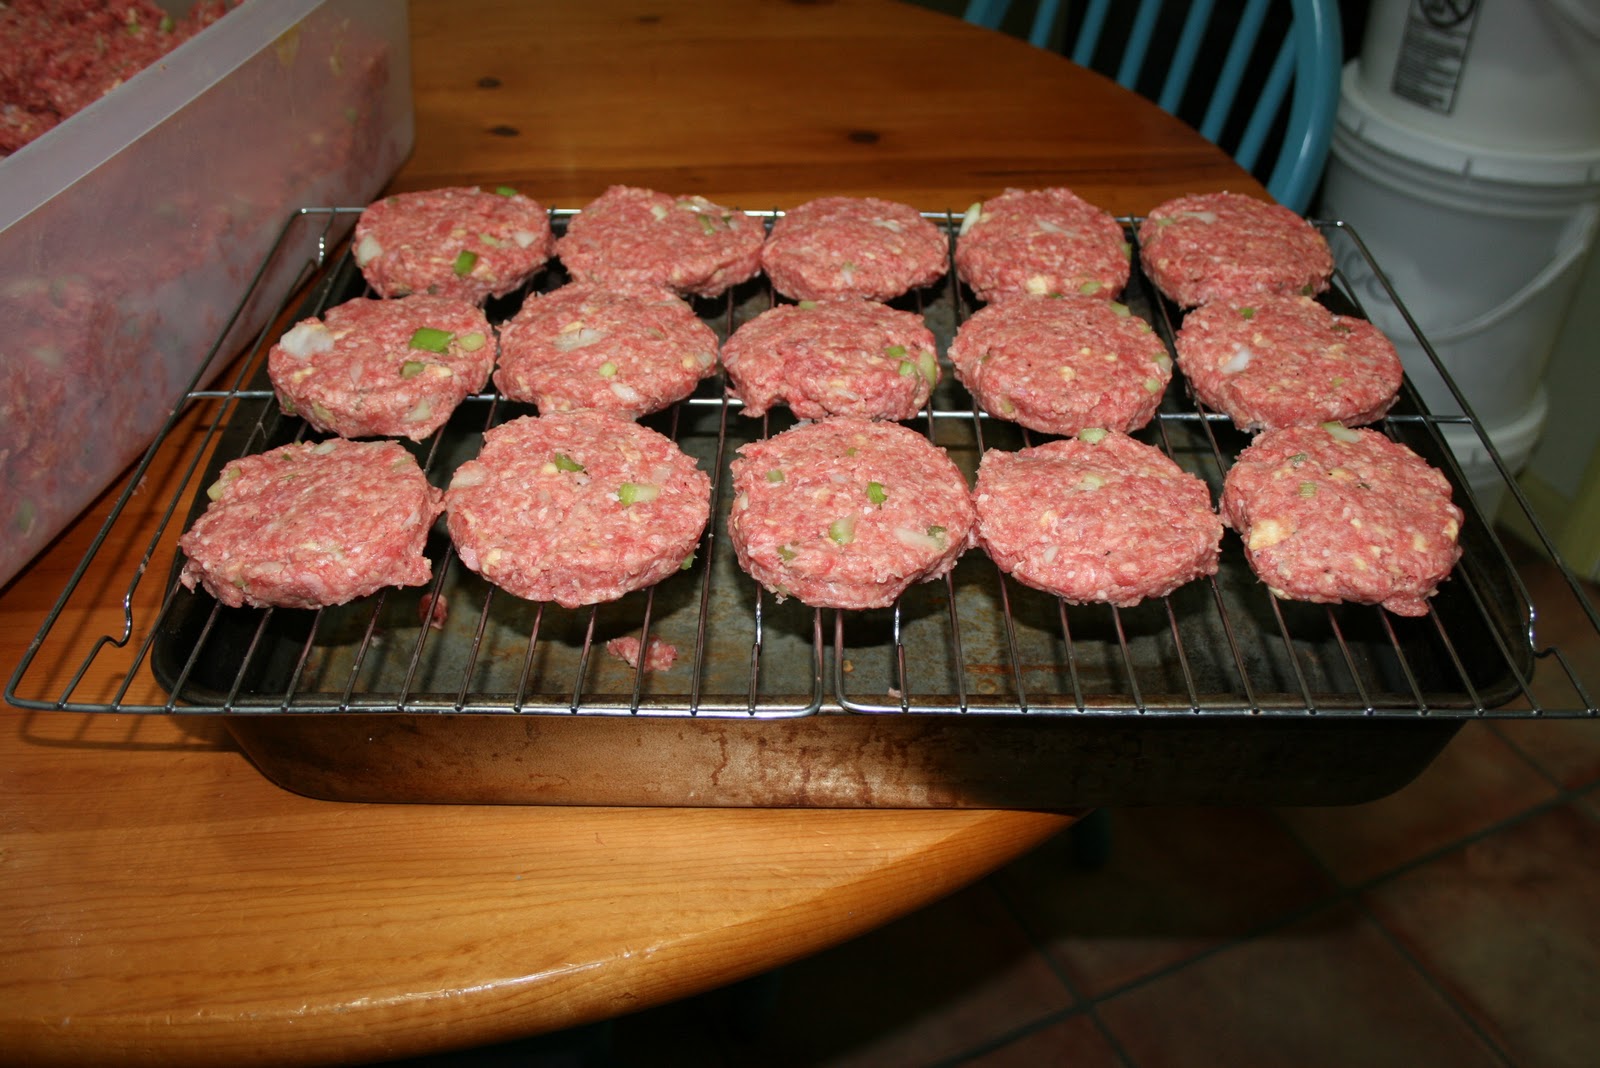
433 610
660 656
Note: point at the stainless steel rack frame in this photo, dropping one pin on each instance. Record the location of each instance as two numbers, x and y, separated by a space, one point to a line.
973 664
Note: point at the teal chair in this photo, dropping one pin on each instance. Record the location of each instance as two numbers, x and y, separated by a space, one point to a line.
1305 59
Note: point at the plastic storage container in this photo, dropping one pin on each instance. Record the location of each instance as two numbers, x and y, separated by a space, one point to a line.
130 232
1484 245
1517 74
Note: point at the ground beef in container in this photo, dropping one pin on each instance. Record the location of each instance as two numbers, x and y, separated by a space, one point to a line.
847 513
577 508
313 524
633 236
1100 518
59 56
1330 513
843 357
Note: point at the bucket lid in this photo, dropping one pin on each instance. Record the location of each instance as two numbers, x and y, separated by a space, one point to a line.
1361 119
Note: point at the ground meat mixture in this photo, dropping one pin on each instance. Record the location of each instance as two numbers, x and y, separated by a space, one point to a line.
848 513
842 357
313 524
1100 518
1227 246
632 236
1329 513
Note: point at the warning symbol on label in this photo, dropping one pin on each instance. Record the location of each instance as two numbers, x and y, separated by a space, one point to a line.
1433 52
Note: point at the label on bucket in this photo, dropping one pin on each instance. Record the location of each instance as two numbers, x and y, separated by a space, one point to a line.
1433 52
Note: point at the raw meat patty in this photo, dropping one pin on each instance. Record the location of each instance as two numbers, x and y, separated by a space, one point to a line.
1228 246
1285 361
847 513
1039 243
459 242
629 349
1060 365
577 507
866 247
1100 518
844 357
313 524
383 368
638 236
1329 513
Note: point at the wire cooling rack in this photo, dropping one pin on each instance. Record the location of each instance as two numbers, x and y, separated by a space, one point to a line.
974 644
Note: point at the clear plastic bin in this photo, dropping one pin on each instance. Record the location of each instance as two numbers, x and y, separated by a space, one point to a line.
130 232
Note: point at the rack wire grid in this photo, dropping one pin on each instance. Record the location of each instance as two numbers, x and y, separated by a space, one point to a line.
975 643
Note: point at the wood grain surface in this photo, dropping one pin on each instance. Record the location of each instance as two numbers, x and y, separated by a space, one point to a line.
163 903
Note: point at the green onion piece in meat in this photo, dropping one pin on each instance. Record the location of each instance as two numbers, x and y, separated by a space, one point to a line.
876 493
688 562
412 368
785 553
1089 288
473 342
1308 489
708 225
431 339
895 352
906 369
567 463
938 533
775 475
807 304
1247 313
1091 434
631 493
505 190
843 531
1340 432
928 364
608 370
464 264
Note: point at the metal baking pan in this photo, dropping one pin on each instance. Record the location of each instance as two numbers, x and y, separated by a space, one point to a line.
971 691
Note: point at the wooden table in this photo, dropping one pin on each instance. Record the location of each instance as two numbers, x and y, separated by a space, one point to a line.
163 903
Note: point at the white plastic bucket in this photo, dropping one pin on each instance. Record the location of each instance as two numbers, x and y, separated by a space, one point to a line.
1487 266
1514 440
1520 74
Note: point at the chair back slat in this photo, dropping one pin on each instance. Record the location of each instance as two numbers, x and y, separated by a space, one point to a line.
1138 46
1044 23
1233 68
1294 108
1094 21
1265 111
1183 56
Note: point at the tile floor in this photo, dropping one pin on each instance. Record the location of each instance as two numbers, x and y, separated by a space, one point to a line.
1456 922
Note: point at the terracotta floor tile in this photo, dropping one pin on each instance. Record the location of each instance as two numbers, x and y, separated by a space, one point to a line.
1476 782
1568 750
1075 1041
1330 991
931 986
1509 926
1178 881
